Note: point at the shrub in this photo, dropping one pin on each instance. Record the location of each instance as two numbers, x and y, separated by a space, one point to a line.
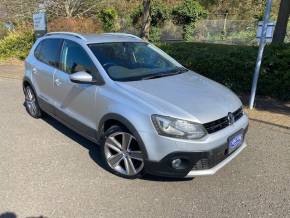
3 30
16 45
154 35
83 25
109 17
234 66
188 31
159 12
187 14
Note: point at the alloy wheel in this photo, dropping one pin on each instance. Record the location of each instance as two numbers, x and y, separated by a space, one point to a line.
30 101
123 154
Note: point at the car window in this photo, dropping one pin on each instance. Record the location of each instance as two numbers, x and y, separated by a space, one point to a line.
48 51
74 59
127 61
144 56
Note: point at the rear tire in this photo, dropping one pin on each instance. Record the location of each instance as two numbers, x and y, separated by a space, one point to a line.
121 153
31 103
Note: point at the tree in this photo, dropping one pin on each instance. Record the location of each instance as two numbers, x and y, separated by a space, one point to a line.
19 11
282 21
71 8
187 14
109 17
146 20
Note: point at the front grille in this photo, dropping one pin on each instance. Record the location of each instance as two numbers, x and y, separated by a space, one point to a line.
216 125
238 113
222 123
212 158
202 164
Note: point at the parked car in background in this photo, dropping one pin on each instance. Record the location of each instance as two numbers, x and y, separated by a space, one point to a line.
148 113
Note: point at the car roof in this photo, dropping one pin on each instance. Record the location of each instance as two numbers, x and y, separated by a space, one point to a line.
96 38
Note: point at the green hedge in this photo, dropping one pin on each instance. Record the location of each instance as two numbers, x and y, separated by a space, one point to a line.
16 45
233 65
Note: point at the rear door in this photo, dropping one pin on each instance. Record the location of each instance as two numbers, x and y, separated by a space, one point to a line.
75 103
47 61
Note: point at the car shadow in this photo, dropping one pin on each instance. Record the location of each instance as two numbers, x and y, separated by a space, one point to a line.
154 178
268 104
13 215
94 149
8 215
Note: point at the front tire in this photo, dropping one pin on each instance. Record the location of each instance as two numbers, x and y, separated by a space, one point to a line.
31 103
121 153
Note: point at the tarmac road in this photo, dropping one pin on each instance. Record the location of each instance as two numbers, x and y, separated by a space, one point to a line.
48 170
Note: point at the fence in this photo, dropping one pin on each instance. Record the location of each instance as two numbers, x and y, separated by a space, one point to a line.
226 31
217 31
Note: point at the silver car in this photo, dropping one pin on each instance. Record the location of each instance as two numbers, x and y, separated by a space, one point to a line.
147 112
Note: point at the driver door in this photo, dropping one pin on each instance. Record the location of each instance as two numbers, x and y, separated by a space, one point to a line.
75 103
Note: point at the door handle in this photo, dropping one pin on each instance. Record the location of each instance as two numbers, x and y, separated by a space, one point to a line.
57 82
34 71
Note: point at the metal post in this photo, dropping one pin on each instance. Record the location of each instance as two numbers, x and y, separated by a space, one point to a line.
260 53
40 24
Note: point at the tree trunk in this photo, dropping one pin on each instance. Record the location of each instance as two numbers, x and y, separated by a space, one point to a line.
146 20
281 26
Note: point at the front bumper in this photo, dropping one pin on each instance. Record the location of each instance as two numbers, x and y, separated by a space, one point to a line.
194 163
216 168
199 157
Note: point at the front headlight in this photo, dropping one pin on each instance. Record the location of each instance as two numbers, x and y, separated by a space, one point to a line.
176 128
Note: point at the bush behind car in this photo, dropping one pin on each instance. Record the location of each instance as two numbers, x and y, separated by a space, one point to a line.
233 65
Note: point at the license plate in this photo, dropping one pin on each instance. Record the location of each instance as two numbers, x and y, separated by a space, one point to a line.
235 141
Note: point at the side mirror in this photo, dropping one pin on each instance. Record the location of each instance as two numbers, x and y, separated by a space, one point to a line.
81 77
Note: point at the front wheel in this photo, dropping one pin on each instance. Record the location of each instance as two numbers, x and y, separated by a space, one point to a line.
121 153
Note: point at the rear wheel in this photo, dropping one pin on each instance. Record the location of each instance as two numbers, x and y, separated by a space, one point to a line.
31 103
122 153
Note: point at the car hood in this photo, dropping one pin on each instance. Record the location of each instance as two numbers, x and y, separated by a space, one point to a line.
188 95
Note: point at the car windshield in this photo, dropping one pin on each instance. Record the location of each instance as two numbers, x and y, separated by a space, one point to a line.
130 61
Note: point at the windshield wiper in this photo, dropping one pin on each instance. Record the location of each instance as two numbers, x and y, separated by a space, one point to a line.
168 73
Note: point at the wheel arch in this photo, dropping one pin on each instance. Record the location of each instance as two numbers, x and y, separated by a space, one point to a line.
113 118
26 81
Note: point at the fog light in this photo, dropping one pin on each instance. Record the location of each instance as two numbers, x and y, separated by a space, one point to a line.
176 163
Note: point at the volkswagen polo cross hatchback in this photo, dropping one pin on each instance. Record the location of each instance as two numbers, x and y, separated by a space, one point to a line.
146 111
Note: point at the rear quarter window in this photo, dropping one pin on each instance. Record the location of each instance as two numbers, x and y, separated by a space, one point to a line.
48 51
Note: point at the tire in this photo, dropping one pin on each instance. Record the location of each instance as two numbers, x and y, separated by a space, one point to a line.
121 153
31 103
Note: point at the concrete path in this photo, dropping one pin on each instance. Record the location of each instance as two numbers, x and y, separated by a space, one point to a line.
48 170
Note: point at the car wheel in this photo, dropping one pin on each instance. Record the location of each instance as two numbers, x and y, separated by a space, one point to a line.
31 103
121 153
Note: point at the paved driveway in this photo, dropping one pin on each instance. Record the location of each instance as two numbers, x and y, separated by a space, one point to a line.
47 170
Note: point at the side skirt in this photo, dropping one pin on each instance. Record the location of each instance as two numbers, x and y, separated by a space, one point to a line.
73 124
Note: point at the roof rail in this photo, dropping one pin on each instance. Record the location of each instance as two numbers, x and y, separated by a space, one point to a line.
66 33
123 34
